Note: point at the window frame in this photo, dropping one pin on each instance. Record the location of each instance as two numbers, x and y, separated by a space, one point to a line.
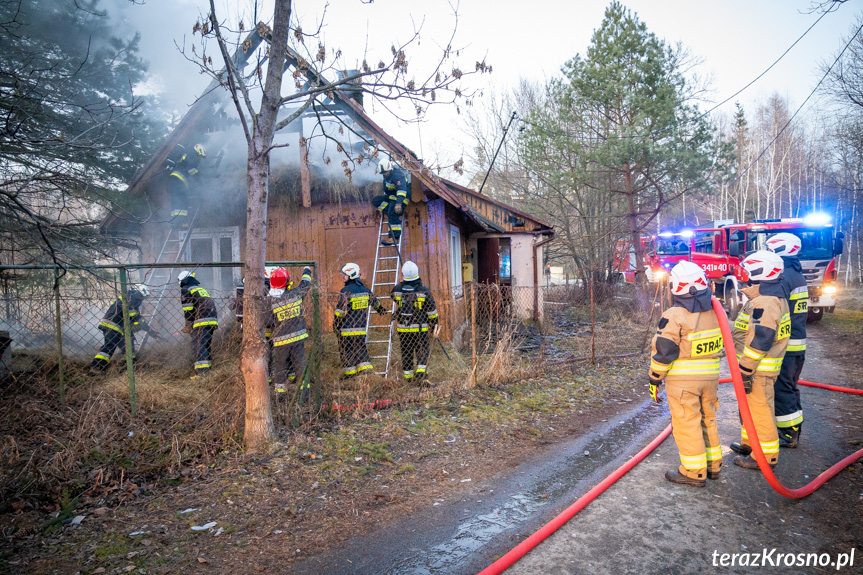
456 277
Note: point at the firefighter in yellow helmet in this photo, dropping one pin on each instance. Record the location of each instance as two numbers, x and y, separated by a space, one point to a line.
686 351
394 199
185 166
761 333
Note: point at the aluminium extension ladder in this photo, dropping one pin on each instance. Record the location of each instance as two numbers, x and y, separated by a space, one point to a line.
163 279
384 276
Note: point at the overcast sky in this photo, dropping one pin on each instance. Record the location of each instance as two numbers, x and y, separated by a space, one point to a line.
737 40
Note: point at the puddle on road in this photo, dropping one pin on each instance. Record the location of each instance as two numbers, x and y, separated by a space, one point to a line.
475 532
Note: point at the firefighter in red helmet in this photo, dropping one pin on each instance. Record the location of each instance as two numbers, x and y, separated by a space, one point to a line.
287 325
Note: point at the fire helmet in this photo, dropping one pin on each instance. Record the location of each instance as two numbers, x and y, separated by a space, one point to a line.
185 274
142 289
279 278
410 271
762 266
385 165
201 150
784 244
687 278
351 270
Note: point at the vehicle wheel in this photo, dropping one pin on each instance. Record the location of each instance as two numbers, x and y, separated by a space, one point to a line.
815 314
730 300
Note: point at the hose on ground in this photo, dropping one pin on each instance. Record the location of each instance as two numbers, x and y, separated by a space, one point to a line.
525 546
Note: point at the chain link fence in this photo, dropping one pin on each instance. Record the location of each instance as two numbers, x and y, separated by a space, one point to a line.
53 329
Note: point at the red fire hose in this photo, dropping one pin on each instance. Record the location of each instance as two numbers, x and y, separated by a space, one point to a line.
522 548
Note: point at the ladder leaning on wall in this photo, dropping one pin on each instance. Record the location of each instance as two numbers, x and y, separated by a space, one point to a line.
163 280
379 336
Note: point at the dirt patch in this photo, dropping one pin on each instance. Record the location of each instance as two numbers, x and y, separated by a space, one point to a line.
317 487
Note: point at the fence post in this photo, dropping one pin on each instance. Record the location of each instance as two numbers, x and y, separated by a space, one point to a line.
473 330
58 325
592 325
317 341
127 334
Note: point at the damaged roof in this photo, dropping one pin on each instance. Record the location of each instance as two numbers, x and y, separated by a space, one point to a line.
489 215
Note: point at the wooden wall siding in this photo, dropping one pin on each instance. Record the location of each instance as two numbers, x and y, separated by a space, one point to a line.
496 213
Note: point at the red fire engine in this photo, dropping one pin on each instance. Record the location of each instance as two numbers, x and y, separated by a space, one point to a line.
660 253
719 250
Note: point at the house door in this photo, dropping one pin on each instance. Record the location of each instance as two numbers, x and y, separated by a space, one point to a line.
216 245
488 260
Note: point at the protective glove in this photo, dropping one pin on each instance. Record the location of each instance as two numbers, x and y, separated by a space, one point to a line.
747 382
187 329
399 208
654 389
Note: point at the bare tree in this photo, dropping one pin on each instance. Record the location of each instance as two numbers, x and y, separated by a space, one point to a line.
307 88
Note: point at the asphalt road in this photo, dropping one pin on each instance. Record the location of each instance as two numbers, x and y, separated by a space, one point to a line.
643 524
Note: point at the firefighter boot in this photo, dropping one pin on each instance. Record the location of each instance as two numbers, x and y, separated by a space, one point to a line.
789 436
712 474
740 448
675 476
748 462
96 372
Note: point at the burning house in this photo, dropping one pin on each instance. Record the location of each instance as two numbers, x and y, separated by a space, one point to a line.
318 212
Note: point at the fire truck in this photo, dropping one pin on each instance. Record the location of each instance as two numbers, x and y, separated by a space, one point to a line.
719 250
660 253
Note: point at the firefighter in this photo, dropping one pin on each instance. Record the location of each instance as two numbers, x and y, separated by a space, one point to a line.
111 327
287 325
761 334
199 311
184 167
349 322
393 201
789 410
415 315
686 351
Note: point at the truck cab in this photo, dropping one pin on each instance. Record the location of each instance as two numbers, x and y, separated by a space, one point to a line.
719 250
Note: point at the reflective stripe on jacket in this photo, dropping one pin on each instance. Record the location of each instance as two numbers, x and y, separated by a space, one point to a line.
687 345
762 329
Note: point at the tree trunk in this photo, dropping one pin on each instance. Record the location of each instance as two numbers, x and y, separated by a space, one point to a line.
640 276
259 429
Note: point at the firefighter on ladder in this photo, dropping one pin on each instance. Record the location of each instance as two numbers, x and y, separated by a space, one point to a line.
184 167
287 325
789 410
686 351
415 316
761 333
393 201
111 327
199 311
349 322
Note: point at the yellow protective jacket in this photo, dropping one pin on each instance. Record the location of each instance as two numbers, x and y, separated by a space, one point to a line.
762 329
687 344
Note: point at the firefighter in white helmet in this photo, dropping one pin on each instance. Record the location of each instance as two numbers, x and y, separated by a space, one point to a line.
416 315
394 199
685 352
349 322
761 334
789 409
